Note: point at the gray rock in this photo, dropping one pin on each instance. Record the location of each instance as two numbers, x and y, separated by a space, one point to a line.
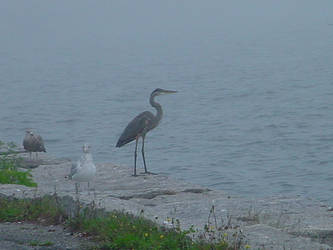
265 237
268 223
31 236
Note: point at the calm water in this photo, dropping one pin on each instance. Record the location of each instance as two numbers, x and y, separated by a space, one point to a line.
254 112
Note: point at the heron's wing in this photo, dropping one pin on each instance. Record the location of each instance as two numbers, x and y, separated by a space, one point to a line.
139 125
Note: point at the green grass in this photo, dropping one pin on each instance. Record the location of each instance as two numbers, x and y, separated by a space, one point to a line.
9 173
119 230
110 230
35 243
46 210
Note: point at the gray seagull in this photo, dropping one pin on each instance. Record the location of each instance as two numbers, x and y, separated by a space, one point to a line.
33 143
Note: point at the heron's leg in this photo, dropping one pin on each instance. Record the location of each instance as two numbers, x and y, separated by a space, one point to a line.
30 155
135 154
143 156
143 153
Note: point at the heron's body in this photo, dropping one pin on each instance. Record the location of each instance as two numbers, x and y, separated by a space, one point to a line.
84 170
142 124
33 143
139 126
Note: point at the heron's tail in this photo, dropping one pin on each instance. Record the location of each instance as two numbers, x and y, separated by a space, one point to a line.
122 141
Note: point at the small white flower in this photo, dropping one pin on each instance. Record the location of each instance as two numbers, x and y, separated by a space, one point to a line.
167 223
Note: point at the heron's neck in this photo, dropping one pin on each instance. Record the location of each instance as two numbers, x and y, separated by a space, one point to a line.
158 108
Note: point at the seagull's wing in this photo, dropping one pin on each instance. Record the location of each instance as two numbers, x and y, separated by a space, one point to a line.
74 169
40 143
27 143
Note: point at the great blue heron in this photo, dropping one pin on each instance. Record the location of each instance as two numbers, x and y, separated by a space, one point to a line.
141 124
33 143
84 169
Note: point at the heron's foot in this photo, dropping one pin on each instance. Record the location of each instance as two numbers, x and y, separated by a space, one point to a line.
148 172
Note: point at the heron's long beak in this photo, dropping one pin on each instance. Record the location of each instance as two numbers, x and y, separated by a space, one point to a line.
169 91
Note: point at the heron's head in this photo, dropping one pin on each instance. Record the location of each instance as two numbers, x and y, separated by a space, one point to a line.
159 91
86 148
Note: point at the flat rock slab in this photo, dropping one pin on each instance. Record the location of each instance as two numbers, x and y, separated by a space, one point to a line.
27 236
270 223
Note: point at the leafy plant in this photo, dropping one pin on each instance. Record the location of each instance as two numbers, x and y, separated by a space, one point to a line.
9 173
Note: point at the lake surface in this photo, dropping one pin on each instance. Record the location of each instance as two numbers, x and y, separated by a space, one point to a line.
254 111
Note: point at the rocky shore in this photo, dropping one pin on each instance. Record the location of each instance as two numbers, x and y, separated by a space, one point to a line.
267 223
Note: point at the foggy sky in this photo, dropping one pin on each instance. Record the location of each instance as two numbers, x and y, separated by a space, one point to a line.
33 24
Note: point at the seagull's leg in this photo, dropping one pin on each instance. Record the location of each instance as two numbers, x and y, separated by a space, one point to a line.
94 192
77 210
77 190
135 154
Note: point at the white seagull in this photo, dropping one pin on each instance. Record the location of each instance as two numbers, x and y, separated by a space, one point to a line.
84 170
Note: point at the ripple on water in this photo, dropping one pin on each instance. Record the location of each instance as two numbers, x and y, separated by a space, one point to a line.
67 121
27 122
52 141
